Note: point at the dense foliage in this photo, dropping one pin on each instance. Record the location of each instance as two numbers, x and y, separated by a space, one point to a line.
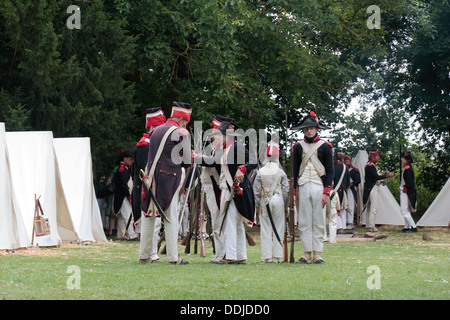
261 62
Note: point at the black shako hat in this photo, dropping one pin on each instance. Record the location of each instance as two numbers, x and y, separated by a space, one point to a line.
311 120
228 128
407 156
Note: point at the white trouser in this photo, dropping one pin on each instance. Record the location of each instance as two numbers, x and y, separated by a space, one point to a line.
233 231
170 229
311 216
125 212
331 218
351 207
404 209
372 208
154 252
342 218
215 220
149 248
270 247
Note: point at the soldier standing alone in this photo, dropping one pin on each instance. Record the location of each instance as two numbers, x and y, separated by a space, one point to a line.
313 176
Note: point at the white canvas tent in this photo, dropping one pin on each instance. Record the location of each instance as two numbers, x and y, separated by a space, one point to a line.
33 174
388 208
59 171
438 214
13 234
73 159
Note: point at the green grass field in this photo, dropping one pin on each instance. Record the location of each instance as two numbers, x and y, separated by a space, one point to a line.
409 268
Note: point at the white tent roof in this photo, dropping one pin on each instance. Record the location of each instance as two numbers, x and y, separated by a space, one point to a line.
33 174
12 230
438 214
73 158
388 208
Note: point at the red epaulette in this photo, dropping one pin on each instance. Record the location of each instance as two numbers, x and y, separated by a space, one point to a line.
356 169
329 144
122 166
370 163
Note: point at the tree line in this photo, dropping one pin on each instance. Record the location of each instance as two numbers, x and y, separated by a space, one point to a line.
260 62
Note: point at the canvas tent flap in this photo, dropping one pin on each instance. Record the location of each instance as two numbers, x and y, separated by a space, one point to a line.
13 234
438 213
73 158
66 228
33 174
388 208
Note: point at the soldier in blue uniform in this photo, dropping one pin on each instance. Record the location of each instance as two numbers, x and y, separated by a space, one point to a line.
352 193
341 183
169 153
313 176
154 118
408 196
372 182
147 249
122 196
210 183
236 164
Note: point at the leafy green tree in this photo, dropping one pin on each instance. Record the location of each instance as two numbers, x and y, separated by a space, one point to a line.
69 81
413 78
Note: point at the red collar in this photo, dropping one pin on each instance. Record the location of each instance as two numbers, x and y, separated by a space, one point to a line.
228 143
338 162
406 165
315 140
144 140
174 122
122 166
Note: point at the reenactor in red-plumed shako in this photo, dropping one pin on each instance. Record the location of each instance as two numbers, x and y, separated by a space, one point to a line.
147 250
169 152
352 190
237 203
408 196
372 183
210 184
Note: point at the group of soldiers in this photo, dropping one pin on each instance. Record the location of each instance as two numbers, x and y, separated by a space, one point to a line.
237 191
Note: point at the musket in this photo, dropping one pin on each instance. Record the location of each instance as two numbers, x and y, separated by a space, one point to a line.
186 195
269 212
250 240
128 225
225 211
285 246
202 223
145 179
192 223
291 210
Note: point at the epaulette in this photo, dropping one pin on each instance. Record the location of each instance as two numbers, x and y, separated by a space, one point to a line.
329 144
184 132
356 169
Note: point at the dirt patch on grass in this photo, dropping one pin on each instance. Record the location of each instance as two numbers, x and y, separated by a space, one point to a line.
56 250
